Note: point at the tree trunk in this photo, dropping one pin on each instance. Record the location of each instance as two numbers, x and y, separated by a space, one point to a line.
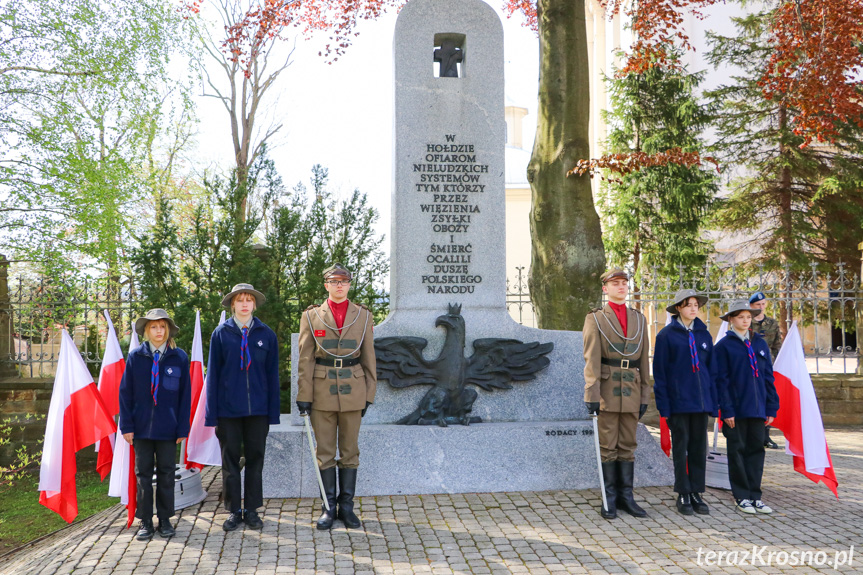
567 255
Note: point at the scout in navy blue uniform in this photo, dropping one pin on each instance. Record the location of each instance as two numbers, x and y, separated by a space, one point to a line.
684 385
155 399
748 401
243 401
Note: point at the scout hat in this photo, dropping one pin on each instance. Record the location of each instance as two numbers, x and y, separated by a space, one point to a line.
613 274
757 296
739 305
244 288
683 295
337 270
152 315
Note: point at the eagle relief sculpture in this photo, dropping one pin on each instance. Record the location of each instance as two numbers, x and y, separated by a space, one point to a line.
494 364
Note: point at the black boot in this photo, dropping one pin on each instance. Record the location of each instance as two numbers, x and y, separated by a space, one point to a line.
625 500
684 504
698 504
326 519
347 488
609 476
165 528
146 531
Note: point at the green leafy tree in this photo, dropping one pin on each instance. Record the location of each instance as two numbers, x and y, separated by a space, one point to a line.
83 108
788 203
656 216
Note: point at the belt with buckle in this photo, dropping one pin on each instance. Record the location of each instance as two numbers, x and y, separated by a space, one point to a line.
621 363
338 363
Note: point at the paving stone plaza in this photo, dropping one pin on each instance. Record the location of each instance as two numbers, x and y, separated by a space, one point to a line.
531 533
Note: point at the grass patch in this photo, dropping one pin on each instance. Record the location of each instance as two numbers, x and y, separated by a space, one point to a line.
23 519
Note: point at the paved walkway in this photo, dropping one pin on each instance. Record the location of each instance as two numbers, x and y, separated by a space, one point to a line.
551 532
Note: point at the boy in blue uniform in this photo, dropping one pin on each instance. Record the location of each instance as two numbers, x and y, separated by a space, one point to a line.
684 375
243 401
748 401
155 400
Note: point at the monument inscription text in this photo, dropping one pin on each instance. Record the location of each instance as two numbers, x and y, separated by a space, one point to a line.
449 187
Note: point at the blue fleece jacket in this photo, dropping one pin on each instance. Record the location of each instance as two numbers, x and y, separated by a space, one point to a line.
167 420
232 392
741 394
676 387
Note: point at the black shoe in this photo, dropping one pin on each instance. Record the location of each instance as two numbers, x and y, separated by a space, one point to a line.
252 520
625 499
347 488
698 504
770 444
325 521
609 476
684 504
145 533
165 528
234 521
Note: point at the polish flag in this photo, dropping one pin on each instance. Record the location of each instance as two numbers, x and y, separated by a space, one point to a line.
664 432
123 482
202 444
799 417
77 417
197 374
110 375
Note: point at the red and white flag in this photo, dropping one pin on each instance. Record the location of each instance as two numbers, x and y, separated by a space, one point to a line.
123 482
77 417
110 375
202 445
799 417
197 375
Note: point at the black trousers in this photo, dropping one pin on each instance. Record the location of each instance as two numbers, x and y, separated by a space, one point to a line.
689 451
243 437
745 445
163 455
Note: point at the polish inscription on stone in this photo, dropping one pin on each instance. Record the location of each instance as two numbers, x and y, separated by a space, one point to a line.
449 186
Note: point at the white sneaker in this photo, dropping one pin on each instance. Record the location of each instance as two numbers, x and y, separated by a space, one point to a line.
745 506
760 507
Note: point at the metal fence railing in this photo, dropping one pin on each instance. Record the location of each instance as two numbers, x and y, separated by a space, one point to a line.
828 307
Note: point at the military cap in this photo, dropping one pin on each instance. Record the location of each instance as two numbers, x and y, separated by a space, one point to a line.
613 274
153 315
757 296
683 295
244 288
738 306
337 270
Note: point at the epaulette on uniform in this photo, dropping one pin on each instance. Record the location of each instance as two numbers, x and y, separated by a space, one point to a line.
594 310
365 307
313 306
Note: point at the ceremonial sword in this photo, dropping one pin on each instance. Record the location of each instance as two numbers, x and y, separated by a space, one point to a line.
315 459
594 417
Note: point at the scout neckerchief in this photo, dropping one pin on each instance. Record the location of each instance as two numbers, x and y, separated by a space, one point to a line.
753 362
245 355
693 351
154 378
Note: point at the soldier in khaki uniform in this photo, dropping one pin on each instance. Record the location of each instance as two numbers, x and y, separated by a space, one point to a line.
336 384
616 373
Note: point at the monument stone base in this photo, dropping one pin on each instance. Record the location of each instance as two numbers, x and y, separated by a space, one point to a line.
480 458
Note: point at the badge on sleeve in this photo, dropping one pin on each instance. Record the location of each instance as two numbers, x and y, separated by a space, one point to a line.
320 333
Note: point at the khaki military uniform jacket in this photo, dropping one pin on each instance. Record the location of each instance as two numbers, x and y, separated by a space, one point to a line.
337 388
768 328
619 389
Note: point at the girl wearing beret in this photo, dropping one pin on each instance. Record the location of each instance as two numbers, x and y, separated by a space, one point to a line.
155 400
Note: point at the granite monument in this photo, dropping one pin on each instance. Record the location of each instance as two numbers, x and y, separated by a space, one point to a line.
447 250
